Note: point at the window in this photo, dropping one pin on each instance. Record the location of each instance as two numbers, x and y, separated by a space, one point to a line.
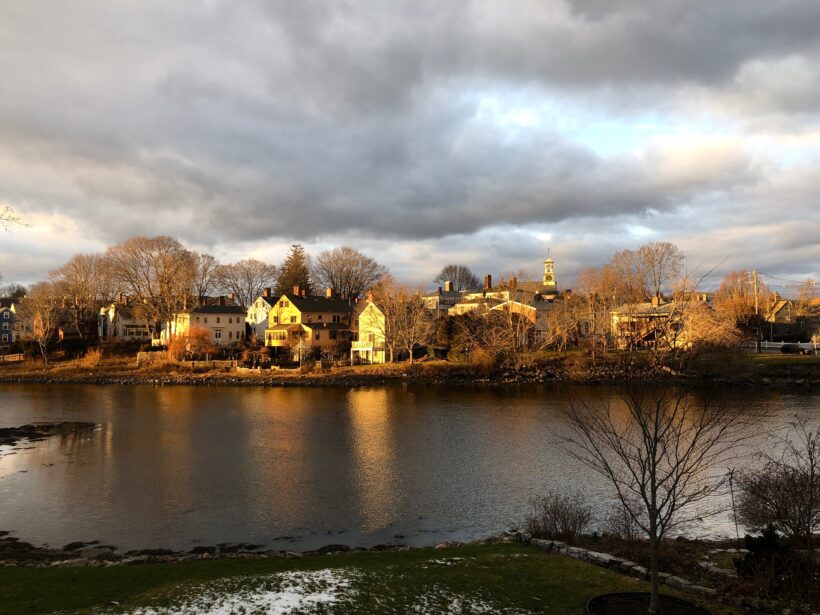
333 335
6 314
293 318
230 320
337 318
319 318
218 320
276 320
5 326
309 318
317 335
230 335
284 304
197 318
206 320
5 338
218 335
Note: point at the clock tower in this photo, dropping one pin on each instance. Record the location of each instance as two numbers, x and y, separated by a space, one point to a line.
549 277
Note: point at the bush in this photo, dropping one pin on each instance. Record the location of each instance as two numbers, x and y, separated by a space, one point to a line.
483 362
621 524
559 516
91 359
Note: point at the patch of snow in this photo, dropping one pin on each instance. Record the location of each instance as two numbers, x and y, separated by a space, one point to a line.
275 594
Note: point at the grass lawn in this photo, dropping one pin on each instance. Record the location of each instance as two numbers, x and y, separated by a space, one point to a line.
502 578
786 359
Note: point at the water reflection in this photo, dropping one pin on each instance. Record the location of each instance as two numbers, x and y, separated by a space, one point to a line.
178 466
374 457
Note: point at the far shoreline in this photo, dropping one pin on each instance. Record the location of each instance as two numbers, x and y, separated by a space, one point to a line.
803 374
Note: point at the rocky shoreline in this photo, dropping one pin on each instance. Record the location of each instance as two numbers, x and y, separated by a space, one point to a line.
801 376
14 552
10 436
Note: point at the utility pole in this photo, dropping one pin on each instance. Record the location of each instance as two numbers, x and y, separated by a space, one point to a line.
757 311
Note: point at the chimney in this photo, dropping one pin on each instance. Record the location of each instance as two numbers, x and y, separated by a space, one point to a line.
439 290
266 292
222 300
488 282
304 292
656 300
448 286
296 290
513 282
329 293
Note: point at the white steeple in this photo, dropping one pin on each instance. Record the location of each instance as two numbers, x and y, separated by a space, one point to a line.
549 276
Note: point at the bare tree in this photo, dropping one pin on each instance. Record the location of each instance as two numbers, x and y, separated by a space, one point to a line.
205 274
81 282
9 218
347 271
460 275
157 270
40 309
661 451
785 492
735 297
661 263
407 323
247 279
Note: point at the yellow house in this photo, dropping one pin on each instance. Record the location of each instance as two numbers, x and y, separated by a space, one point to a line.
370 347
308 323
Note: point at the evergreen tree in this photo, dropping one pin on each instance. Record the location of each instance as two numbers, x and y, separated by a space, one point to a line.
294 271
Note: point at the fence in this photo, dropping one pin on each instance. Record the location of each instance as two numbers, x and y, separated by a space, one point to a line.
12 358
778 345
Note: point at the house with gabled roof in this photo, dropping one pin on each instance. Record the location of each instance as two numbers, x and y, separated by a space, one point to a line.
309 324
221 317
8 312
119 320
258 313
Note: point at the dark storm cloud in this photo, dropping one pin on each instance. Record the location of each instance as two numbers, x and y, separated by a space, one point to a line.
227 122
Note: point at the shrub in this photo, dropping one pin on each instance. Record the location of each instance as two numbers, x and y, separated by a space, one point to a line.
308 366
483 362
559 516
195 343
621 524
91 359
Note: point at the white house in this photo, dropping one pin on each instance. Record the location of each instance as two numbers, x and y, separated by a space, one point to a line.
258 313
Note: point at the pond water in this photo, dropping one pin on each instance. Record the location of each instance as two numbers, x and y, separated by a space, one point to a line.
298 468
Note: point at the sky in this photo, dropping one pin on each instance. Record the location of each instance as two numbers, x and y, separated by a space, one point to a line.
421 132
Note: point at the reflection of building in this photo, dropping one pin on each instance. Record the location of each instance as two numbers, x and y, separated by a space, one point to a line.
370 347
313 322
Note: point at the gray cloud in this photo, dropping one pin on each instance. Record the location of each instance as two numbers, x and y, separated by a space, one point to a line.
235 123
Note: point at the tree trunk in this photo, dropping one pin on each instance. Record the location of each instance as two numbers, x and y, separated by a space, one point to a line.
653 567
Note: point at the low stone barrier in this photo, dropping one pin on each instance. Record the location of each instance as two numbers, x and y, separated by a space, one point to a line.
618 564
